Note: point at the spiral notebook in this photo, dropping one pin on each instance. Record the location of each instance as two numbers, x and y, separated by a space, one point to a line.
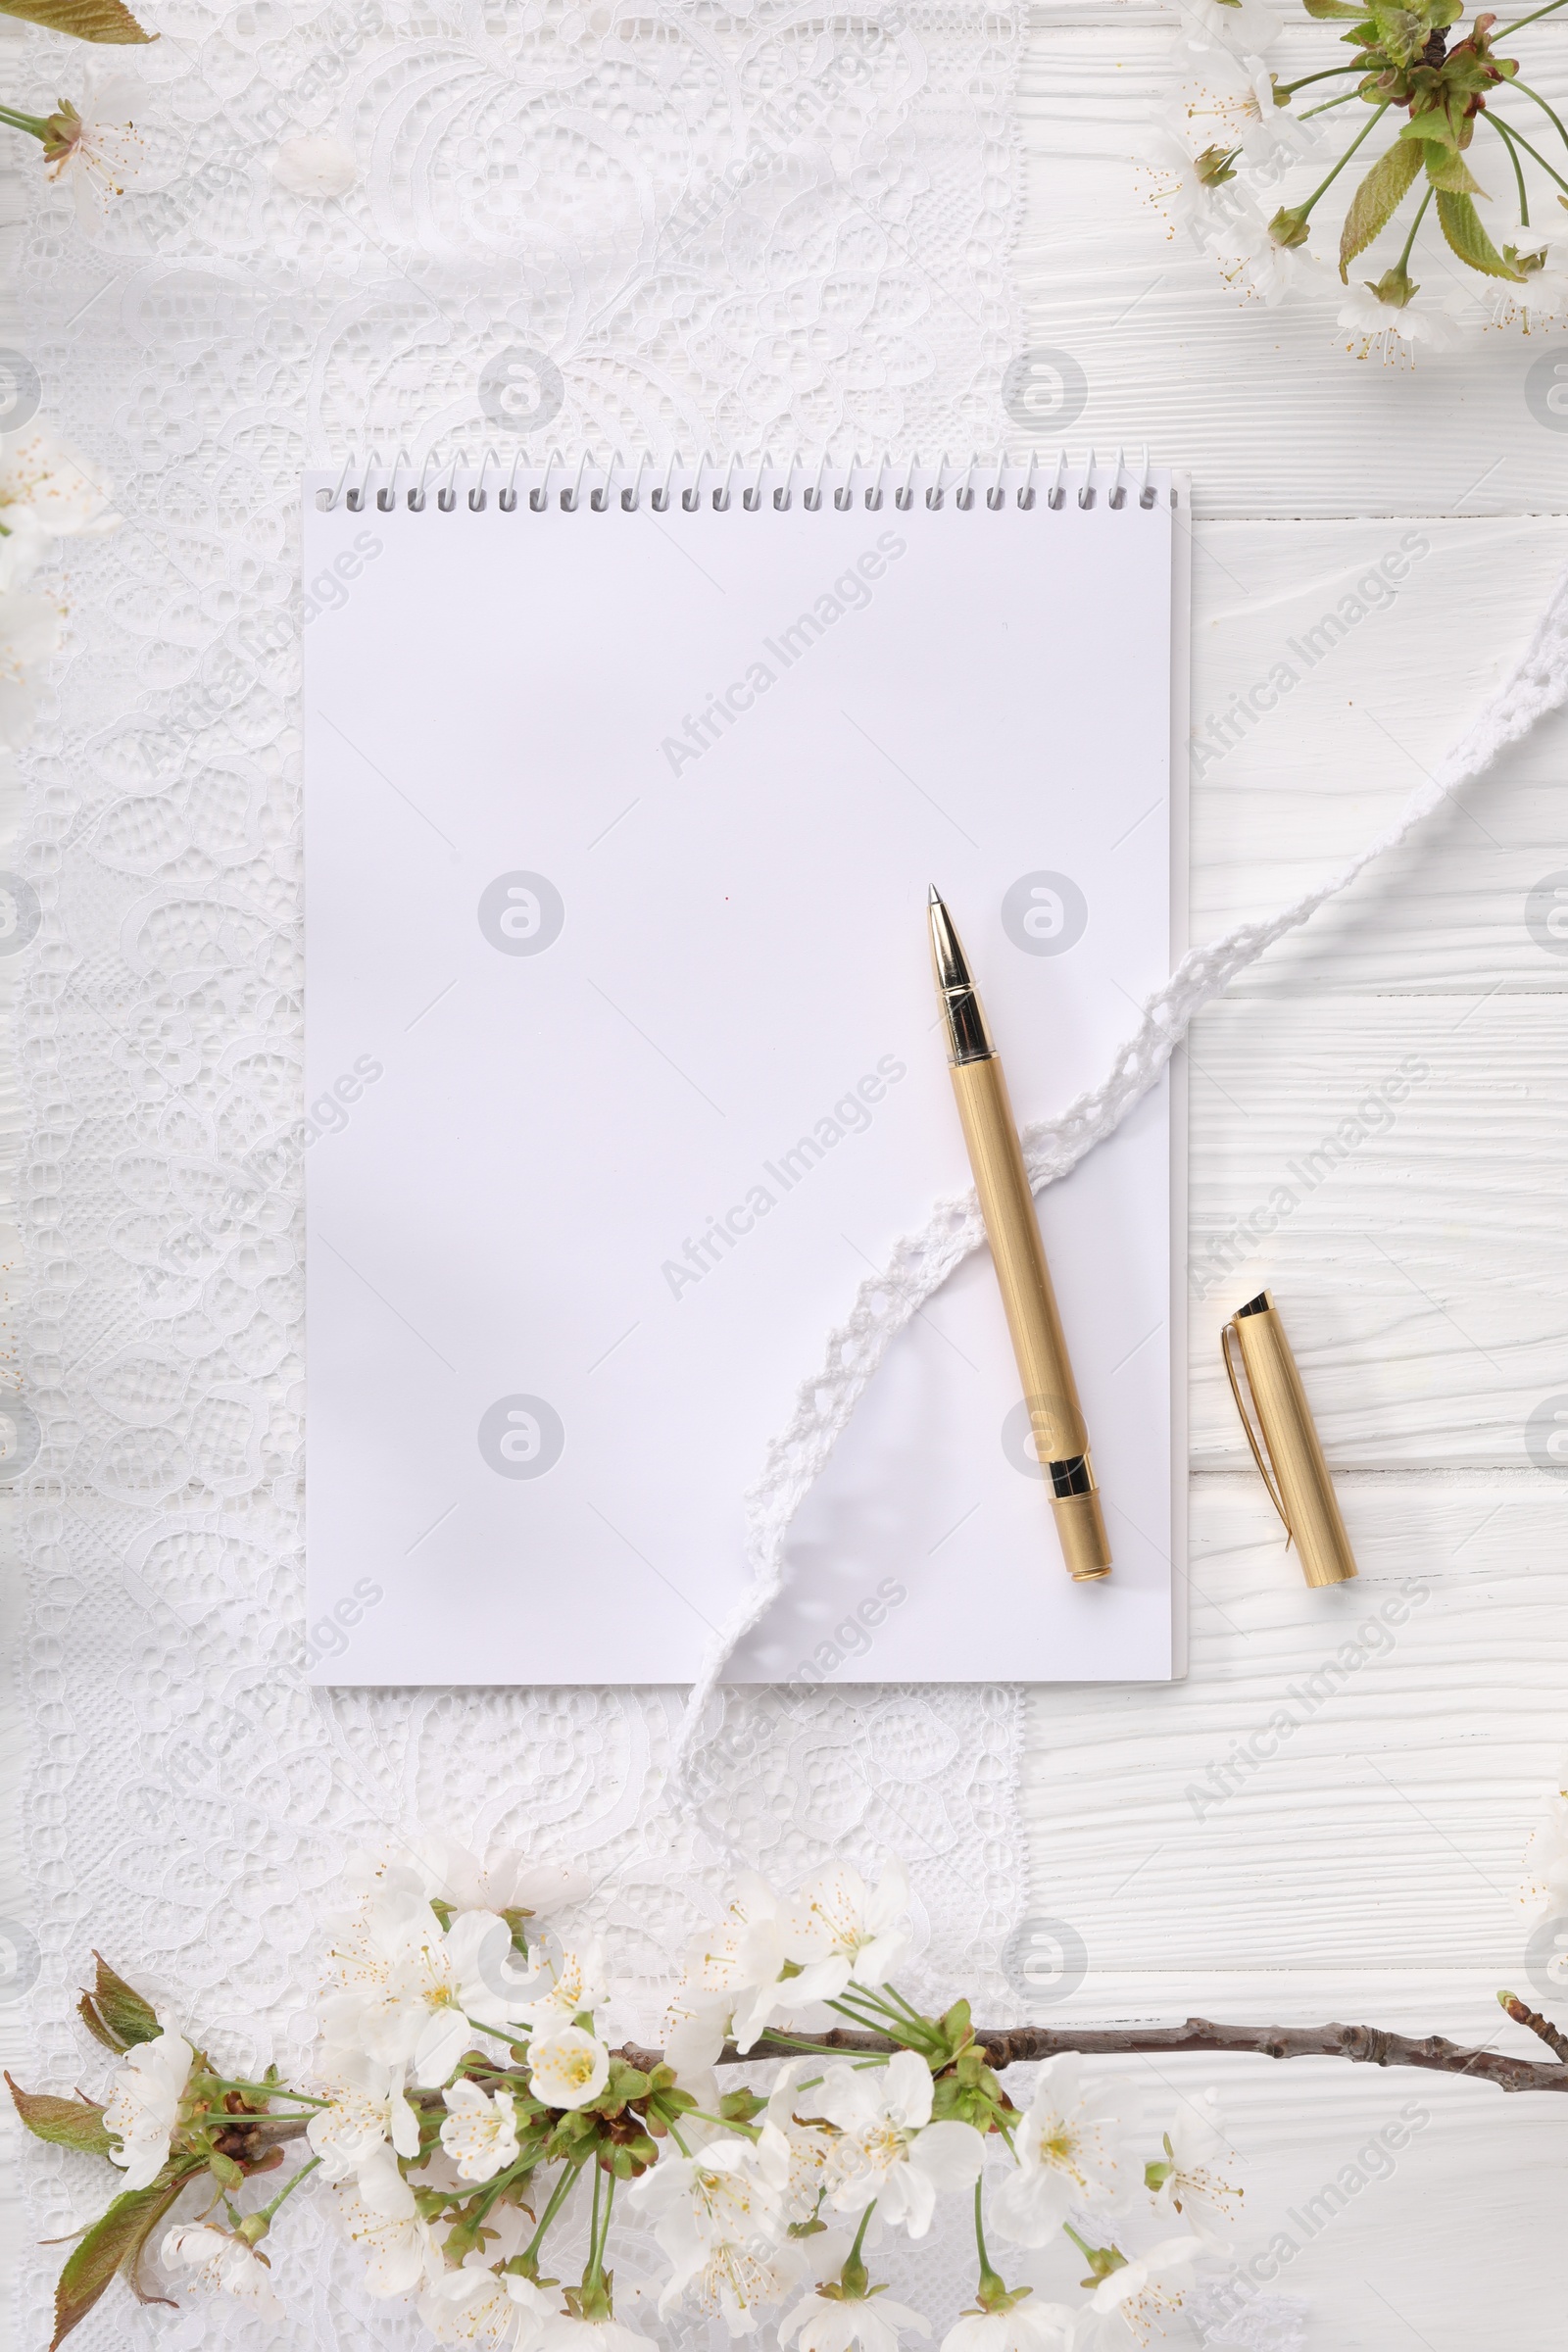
623 793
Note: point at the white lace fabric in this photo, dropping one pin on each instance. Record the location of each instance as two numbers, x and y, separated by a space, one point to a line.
733 230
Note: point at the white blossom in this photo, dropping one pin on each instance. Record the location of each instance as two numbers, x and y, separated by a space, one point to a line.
718 2218
480 2130
143 2104
1066 2146
1271 134
734 2283
1233 107
1029 2327
1199 2156
873 2323
1245 28
811 2146
562 2332
734 1979
838 1928
1133 2303
1213 212
567 2068
380 2218
1374 318
218 2260
1541 299
47 493
570 1983
889 2148
475 2306
502 1880
97 151
1264 268
409 1992
366 2107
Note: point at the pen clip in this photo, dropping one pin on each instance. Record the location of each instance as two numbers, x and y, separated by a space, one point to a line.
1256 1441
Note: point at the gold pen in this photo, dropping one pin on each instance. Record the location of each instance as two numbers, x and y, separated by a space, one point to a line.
1061 1440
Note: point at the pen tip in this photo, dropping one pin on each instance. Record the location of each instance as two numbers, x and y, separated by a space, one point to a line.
935 896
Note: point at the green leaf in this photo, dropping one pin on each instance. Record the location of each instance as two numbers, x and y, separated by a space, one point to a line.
1432 128
1335 8
119 2008
70 2123
1461 225
87 20
1377 200
113 2244
1450 174
96 2026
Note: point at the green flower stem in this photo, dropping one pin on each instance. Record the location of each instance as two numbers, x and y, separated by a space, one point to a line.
1535 153
1505 135
503 2181
33 124
1303 212
1402 265
908 2008
725 2123
557 2197
1502 31
288 2188
798 2043
988 2276
1289 90
914 2031
854 2277
1328 105
1525 91
599 2233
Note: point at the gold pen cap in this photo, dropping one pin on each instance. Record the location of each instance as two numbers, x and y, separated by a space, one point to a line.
1285 1445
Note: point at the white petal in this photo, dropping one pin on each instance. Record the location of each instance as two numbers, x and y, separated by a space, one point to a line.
906 2091
950 2155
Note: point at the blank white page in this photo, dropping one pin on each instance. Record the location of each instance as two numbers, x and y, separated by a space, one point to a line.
624 1070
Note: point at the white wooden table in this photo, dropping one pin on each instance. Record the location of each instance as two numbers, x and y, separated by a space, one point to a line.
1369 1870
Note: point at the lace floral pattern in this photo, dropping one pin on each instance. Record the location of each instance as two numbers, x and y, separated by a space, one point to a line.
733 230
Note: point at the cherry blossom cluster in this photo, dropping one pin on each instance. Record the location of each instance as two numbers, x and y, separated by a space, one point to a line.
1384 145
470 2119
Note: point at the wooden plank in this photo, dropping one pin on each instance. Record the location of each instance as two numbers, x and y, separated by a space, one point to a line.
1382 1826
1423 1262
1349 632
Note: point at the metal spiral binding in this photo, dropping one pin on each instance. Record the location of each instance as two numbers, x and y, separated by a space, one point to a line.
867 481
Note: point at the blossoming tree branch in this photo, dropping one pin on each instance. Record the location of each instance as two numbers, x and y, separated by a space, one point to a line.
1439 123
471 2120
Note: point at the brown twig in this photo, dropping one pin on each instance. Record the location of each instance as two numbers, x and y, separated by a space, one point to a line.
1363 2046
1017 2045
1542 2026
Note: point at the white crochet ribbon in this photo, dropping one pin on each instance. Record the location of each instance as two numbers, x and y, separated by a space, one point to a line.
921 1261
